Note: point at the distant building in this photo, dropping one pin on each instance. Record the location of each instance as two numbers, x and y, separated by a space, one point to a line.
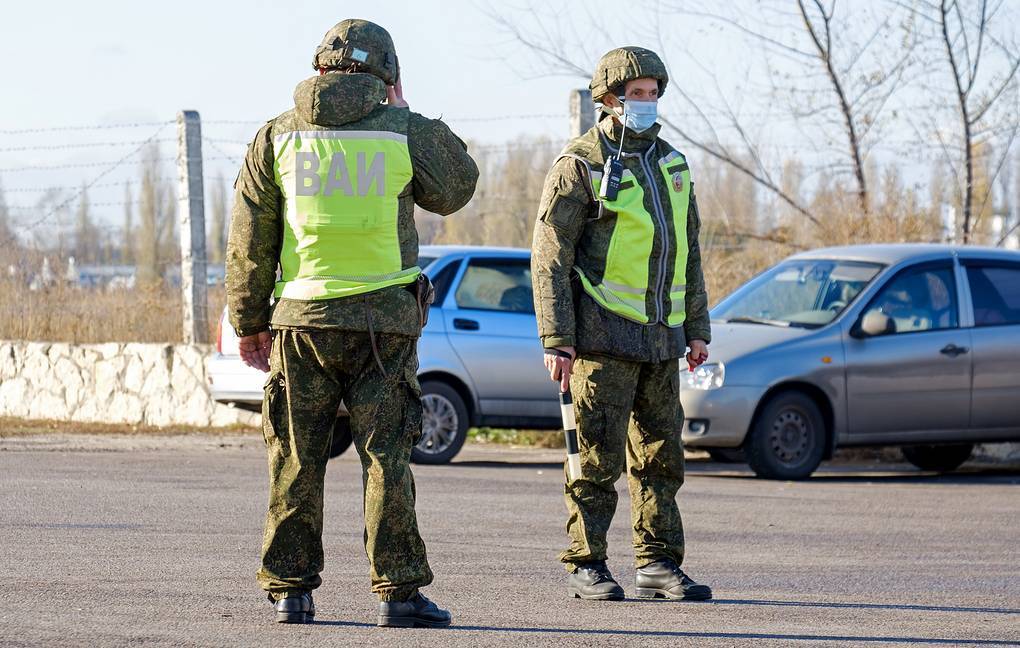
114 277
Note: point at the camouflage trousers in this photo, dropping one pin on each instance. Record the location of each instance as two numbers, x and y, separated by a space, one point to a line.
628 416
310 372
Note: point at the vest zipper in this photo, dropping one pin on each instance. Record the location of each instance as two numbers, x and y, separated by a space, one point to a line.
661 218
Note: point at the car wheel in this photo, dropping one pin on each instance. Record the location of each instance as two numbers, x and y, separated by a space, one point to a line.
444 424
727 455
341 436
939 458
788 438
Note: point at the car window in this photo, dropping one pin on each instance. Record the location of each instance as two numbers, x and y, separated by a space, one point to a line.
442 280
996 294
918 300
808 293
496 284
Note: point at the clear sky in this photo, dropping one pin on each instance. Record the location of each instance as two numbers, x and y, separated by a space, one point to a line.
71 63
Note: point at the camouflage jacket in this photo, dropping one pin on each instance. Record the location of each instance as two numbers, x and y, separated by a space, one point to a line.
444 181
570 233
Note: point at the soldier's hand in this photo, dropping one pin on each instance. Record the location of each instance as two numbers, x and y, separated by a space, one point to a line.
395 95
255 350
697 355
560 367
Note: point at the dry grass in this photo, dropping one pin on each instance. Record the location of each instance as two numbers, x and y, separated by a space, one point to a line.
508 436
725 270
16 427
66 313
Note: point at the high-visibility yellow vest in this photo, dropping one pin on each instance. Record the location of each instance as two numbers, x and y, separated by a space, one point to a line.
626 285
340 192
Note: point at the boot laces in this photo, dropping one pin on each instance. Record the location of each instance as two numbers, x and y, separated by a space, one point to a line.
600 571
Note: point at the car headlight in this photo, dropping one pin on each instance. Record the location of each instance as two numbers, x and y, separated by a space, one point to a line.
705 377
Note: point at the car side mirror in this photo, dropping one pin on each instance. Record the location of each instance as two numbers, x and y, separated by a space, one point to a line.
875 323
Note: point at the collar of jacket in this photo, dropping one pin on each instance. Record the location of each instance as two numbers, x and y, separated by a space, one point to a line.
633 142
337 98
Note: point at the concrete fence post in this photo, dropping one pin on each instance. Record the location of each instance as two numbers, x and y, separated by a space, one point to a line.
582 112
191 207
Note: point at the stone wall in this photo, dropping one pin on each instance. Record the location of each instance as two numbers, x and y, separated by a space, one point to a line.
150 384
144 384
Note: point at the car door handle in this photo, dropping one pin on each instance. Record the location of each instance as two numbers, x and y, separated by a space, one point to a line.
952 350
465 324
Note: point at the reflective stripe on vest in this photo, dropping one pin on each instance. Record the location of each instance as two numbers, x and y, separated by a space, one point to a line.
340 192
625 285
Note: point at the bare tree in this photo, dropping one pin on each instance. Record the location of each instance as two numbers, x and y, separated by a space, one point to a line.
147 241
832 73
502 211
218 220
127 252
169 241
976 39
964 65
86 236
818 24
1012 226
6 233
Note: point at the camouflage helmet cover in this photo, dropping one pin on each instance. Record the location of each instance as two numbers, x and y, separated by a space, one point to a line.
359 45
624 64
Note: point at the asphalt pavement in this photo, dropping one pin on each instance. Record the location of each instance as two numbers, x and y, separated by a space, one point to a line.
157 544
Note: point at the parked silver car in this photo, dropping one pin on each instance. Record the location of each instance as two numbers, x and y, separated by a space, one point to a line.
909 345
480 361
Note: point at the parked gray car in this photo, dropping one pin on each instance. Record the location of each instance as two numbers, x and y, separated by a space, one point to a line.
909 345
480 361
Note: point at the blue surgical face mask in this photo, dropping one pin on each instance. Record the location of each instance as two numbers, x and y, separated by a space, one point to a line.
640 115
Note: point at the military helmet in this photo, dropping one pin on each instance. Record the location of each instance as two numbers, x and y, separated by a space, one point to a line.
361 46
624 64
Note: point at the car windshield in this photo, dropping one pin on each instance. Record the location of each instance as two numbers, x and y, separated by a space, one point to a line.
806 293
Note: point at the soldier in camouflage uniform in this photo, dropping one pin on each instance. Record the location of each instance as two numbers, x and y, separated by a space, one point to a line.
326 194
619 293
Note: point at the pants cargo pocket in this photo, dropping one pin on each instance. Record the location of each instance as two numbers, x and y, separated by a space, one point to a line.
272 403
413 407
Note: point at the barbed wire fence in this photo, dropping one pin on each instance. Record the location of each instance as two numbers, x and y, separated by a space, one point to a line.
72 199
54 176
48 171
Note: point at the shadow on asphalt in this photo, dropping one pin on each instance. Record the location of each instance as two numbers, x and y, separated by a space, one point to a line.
530 465
873 473
828 474
608 632
863 606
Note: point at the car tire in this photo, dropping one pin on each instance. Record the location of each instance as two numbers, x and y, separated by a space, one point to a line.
726 455
444 424
938 458
341 436
788 438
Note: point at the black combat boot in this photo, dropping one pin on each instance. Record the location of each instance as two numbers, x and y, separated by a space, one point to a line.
665 579
416 612
295 607
592 581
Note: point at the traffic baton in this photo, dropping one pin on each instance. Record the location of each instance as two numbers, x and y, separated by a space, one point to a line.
569 427
570 433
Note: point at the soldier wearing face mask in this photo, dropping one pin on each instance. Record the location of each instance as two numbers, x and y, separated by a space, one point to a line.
620 297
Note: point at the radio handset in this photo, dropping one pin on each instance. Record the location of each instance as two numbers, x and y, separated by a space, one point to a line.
613 169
